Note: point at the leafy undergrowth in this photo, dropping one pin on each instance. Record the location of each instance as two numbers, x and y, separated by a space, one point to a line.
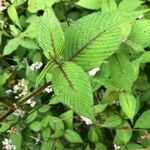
74 74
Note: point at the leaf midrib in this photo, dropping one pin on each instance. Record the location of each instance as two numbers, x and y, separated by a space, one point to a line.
88 43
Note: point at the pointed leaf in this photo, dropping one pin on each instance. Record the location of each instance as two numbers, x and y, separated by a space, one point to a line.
73 136
128 105
71 84
12 12
51 38
143 121
94 38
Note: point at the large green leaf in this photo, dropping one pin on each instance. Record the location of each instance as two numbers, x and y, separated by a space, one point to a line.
143 121
122 72
71 84
94 38
51 37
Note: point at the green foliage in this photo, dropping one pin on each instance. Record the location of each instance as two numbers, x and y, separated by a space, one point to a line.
74 74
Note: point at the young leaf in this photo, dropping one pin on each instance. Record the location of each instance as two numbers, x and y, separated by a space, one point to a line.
143 121
94 4
121 71
51 37
71 84
101 37
11 46
73 136
128 105
112 121
13 15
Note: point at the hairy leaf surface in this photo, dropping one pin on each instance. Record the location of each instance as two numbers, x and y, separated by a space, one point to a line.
71 84
51 37
92 39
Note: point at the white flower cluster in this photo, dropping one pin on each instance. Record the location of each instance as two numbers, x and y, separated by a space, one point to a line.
94 71
31 102
19 113
86 120
116 147
36 66
48 89
2 5
7 145
20 87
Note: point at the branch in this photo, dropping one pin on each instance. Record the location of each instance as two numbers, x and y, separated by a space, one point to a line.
16 105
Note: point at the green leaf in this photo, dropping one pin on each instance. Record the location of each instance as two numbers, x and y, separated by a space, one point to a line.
128 104
11 46
112 121
123 136
44 109
16 140
55 123
32 117
108 6
47 145
100 107
76 93
67 118
101 37
32 29
94 4
36 126
72 136
100 146
35 5
129 5
18 2
140 33
12 12
28 43
122 72
93 136
4 76
143 121
50 30
145 57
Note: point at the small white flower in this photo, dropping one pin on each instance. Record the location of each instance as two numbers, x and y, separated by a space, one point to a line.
94 71
86 120
31 102
19 113
116 147
9 91
36 66
48 89
116 103
7 145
